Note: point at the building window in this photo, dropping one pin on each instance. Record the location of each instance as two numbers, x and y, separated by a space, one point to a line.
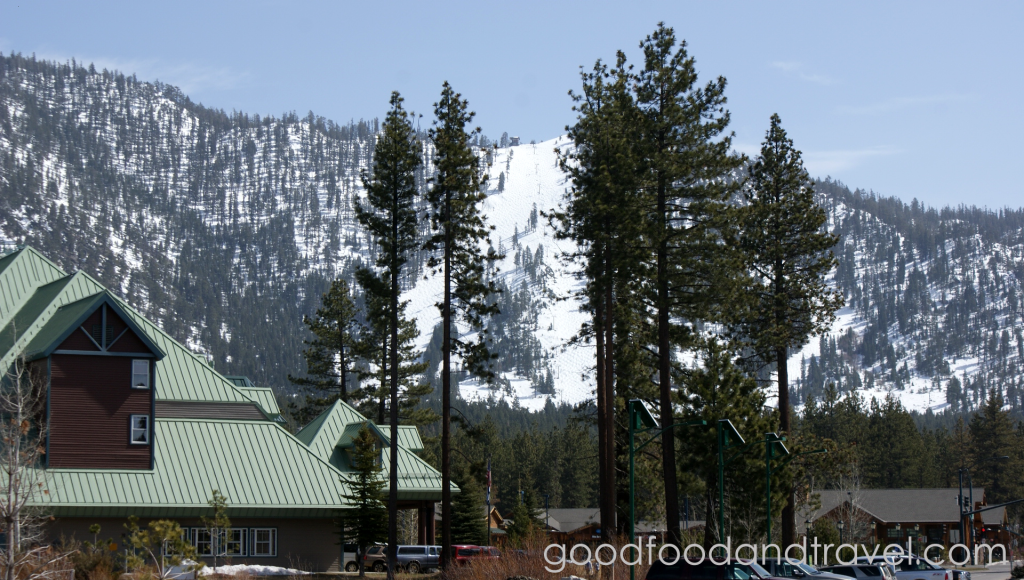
140 430
140 374
202 540
232 542
894 533
264 542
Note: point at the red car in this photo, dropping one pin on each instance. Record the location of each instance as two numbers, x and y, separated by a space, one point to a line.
463 553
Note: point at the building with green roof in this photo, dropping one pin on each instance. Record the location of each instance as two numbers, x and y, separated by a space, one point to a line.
139 425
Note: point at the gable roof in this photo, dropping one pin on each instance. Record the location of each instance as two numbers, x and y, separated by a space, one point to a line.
66 319
905 505
331 432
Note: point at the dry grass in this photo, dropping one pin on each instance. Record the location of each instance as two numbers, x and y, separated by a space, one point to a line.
532 565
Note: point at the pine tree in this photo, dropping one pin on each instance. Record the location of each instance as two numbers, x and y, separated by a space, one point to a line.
468 523
993 435
218 527
390 219
686 162
458 228
788 254
601 214
719 389
366 523
328 358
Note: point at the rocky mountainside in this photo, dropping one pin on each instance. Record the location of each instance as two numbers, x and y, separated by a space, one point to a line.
226 229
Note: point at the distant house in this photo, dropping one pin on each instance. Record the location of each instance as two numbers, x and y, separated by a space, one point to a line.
515 141
583 525
894 515
139 425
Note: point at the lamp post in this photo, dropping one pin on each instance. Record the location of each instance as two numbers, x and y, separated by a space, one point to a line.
961 499
774 448
641 421
807 533
874 535
728 438
840 525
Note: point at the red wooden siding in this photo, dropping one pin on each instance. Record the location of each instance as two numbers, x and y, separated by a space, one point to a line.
77 340
128 342
91 401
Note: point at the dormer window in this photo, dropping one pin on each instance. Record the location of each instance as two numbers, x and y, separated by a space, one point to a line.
140 374
140 430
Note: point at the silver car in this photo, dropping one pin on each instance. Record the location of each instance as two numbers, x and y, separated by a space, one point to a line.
912 568
784 569
863 571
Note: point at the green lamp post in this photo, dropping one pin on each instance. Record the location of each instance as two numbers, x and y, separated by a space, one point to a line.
728 438
773 449
641 421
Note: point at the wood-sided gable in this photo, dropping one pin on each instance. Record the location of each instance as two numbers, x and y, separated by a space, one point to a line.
95 325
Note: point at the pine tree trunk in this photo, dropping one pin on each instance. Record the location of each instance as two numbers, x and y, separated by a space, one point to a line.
788 513
668 442
446 396
602 410
344 367
393 475
608 527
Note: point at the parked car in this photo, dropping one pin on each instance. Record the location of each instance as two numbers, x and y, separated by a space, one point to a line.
912 568
416 559
707 570
784 569
462 554
375 559
863 571
350 559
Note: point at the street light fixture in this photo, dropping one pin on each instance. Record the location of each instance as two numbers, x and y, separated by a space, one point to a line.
873 534
840 525
775 448
728 438
641 421
964 537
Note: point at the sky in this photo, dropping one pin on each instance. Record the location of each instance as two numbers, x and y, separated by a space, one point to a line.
908 99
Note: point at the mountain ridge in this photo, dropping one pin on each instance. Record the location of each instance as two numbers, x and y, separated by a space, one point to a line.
227 228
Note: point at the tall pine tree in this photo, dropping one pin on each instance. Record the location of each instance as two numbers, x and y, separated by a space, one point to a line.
390 219
602 215
788 254
687 163
458 232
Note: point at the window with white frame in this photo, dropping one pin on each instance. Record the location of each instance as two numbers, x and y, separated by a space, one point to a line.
140 374
232 542
139 430
264 542
203 541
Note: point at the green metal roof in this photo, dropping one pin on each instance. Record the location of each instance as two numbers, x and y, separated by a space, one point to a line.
30 319
21 272
409 437
260 467
327 434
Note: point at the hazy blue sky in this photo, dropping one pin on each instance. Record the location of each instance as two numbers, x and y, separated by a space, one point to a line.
908 99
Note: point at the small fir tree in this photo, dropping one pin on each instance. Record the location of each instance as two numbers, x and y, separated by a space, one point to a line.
162 543
366 523
219 526
468 517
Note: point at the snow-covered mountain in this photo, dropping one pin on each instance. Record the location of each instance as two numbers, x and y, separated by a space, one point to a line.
227 228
